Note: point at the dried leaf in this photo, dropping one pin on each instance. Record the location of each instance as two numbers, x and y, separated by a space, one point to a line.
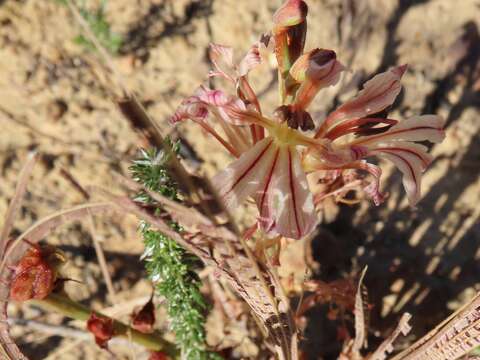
386 346
454 337
360 323
17 199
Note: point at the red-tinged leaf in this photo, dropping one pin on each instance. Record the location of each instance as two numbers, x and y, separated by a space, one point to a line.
144 319
376 95
102 328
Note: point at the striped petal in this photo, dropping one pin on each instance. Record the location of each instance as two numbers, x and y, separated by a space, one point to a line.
416 128
376 95
273 175
244 176
411 159
285 201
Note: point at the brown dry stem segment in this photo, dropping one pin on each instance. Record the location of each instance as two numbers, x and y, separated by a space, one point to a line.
454 337
74 310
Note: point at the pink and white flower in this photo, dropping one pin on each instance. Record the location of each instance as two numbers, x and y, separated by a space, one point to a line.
273 157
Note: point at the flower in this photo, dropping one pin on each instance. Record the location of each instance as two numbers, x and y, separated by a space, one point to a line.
273 155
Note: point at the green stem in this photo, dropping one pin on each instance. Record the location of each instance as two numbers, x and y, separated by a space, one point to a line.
69 308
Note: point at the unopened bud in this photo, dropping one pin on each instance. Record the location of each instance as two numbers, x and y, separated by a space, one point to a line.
290 31
313 65
291 13
101 327
314 70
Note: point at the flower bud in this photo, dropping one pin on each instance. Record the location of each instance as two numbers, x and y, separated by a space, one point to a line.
35 275
144 319
290 31
313 64
101 327
314 70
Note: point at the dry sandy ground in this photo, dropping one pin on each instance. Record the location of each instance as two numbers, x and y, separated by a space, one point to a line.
54 99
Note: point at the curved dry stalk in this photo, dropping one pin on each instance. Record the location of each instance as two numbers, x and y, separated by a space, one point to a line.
69 308
17 199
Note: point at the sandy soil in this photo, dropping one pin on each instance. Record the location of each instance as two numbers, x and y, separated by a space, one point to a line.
54 99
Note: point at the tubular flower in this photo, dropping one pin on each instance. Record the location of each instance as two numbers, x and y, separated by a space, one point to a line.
273 155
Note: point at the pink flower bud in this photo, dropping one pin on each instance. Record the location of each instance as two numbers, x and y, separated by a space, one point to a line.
291 13
290 31
314 70
102 328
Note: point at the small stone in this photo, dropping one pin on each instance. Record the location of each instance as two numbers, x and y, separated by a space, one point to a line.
56 109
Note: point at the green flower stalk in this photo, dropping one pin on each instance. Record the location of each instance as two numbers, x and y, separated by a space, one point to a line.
169 266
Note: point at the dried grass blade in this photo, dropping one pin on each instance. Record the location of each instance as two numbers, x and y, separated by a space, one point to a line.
360 323
386 346
17 199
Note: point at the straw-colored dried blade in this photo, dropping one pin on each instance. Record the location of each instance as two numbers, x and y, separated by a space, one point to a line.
452 339
386 347
359 311
17 199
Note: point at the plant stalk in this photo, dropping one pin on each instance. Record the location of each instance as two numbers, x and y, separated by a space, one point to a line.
74 310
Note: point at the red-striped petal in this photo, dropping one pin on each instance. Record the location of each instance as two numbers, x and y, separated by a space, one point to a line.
376 95
411 159
285 201
417 128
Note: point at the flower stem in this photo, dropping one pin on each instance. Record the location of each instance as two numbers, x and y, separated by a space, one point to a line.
69 308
